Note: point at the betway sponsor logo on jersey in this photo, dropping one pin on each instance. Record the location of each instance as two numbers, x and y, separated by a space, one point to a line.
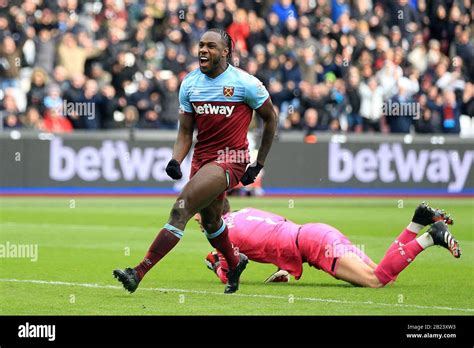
112 161
212 109
390 163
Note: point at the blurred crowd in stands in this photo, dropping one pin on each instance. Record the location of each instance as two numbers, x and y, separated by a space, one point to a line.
394 66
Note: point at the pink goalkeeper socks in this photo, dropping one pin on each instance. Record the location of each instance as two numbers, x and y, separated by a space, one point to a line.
397 260
405 237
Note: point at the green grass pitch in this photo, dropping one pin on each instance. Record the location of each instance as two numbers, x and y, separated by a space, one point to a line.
81 240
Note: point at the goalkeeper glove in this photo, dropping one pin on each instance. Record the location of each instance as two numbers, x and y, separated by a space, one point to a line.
212 261
280 276
173 170
251 173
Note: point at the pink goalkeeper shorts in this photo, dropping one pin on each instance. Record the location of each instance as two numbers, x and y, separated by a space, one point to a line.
322 245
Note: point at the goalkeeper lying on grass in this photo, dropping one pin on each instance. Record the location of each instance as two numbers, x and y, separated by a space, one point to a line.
269 238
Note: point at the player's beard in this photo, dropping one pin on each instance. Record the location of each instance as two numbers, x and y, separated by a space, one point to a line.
214 63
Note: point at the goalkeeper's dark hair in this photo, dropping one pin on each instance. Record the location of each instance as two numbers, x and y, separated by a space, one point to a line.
229 43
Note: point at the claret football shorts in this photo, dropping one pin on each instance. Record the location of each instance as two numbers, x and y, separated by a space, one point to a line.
233 171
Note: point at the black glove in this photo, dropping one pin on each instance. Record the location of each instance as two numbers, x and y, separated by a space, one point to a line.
251 173
173 170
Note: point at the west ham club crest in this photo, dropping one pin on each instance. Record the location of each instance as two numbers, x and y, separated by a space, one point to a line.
228 91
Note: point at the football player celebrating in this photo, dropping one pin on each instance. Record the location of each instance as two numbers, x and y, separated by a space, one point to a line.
218 99
269 238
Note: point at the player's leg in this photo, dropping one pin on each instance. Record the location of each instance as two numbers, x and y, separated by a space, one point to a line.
371 264
424 215
199 192
218 235
208 183
349 263
407 246
398 259
217 232
352 269
401 253
326 248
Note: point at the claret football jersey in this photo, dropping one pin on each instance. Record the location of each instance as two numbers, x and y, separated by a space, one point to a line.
222 109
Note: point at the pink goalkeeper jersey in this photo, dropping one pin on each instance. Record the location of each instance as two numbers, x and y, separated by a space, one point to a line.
266 237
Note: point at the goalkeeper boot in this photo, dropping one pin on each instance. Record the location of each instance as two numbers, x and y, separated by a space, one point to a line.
128 277
425 215
442 237
233 275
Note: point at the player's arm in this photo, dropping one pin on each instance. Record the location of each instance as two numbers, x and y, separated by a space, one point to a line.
184 140
268 115
182 145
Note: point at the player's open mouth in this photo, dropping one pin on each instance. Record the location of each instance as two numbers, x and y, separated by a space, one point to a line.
203 61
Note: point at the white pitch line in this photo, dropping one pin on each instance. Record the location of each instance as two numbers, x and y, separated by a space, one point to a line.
204 292
73 226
